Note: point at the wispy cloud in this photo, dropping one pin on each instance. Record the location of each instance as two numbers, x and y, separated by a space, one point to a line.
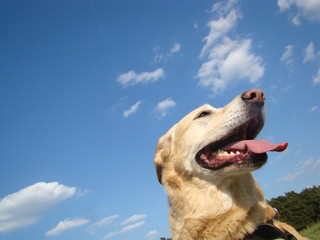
283 154
218 29
103 222
124 230
82 192
304 164
300 168
132 109
309 53
161 56
163 107
132 78
25 207
315 165
286 57
134 218
175 48
223 7
316 78
310 164
308 9
290 176
152 235
132 226
313 108
66 225
228 60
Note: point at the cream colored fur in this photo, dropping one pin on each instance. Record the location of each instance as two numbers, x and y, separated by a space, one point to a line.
224 204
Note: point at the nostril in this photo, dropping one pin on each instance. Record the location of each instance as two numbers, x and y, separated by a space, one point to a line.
254 95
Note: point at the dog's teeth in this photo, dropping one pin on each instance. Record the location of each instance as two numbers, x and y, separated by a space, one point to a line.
222 153
225 153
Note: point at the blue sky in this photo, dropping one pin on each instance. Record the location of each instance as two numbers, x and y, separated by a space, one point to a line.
88 87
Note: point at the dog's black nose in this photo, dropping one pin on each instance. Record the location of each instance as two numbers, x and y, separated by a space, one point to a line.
253 95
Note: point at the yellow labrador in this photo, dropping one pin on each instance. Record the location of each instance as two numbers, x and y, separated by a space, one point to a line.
204 163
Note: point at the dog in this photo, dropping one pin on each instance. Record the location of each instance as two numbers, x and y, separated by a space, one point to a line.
205 162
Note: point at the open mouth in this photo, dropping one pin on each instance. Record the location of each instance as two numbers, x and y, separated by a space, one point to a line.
238 148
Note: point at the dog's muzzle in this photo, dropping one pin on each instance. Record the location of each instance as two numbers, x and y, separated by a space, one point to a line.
238 147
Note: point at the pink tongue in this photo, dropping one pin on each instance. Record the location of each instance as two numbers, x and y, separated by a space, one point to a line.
256 146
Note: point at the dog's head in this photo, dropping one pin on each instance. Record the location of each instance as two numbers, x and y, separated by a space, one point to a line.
214 142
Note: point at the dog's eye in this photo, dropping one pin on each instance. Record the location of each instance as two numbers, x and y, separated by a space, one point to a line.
203 114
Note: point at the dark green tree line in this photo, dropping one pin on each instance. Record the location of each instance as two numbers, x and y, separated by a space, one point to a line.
299 209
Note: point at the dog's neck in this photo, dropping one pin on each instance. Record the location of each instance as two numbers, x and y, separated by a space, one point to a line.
203 199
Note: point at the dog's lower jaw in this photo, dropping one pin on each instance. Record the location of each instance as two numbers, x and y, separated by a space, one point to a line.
218 214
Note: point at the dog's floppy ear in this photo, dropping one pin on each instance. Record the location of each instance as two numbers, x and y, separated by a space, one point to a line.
163 152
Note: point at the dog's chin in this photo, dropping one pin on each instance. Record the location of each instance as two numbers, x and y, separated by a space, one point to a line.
241 161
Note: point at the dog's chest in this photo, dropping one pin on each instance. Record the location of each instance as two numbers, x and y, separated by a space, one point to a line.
203 201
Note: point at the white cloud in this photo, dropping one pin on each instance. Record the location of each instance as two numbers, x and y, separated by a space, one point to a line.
66 225
283 154
162 107
290 176
134 218
131 227
175 48
132 109
82 192
313 108
316 78
228 61
308 9
300 168
26 206
103 222
296 20
309 53
303 164
218 29
284 5
316 165
110 235
124 230
286 88
160 56
132 78
224 7
286 57
152 235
